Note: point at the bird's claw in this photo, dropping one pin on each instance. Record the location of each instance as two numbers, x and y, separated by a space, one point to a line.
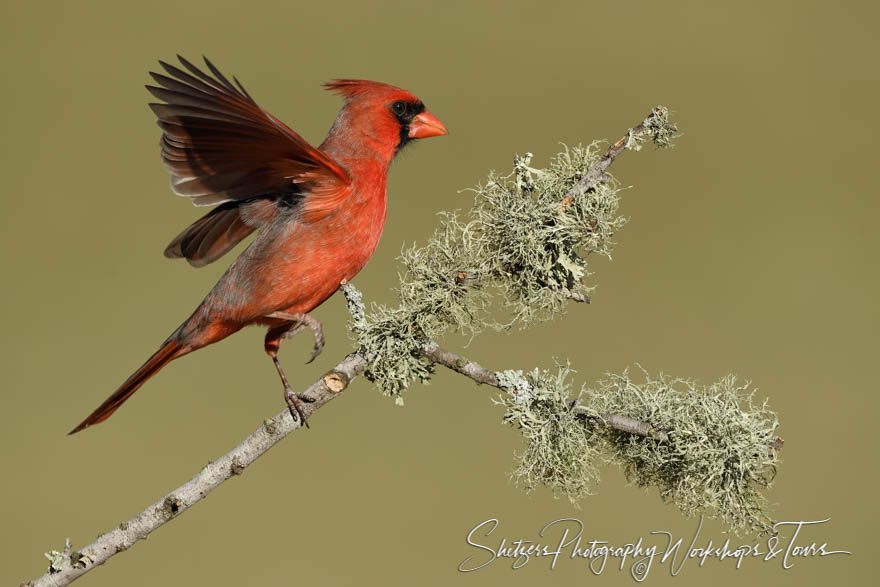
294 404
302 320
316 350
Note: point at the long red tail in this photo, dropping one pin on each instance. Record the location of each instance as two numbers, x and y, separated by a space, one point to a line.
169 351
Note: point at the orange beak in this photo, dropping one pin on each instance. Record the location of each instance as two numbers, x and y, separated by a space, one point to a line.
426 125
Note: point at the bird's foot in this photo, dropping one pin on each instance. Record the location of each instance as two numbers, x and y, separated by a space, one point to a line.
295 403
300 320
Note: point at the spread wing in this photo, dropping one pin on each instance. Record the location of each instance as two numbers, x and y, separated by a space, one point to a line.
220 147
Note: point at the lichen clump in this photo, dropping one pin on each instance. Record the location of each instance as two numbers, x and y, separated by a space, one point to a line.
721 449
518 256
561 452
524 243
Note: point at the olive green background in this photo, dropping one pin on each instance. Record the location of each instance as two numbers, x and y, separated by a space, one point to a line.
751 249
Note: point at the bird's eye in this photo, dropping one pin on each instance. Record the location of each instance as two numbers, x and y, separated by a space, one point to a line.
399 108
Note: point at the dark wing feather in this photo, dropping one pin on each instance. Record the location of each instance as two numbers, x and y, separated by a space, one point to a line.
211 236
220 147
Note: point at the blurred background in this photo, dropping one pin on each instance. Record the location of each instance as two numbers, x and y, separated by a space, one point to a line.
751 249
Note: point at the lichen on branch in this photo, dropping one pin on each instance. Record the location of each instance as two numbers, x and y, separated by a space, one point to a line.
525 242
522 247
717 450
722 447
561 451
521 252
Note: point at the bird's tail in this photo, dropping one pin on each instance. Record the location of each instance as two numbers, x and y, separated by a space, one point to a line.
166 353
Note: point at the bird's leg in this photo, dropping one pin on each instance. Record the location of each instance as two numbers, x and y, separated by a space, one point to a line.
298 321
295 323
294 400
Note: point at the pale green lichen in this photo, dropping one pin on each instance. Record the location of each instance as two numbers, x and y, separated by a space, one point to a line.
354 300
560 450
722 449
525 245
390 339
536 241
659 130
56 561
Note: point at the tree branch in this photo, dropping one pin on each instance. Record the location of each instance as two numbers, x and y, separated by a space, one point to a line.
480 374
631 140
75 564
70 567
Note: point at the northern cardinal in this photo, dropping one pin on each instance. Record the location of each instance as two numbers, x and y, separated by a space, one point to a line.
319 212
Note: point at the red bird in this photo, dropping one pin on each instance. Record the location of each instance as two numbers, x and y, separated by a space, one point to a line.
319 212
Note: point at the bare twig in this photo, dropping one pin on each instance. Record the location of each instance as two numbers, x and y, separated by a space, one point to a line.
173 504
596 173
628 425
579 297
459 364
480 374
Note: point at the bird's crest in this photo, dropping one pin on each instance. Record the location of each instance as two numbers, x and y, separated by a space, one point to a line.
353 88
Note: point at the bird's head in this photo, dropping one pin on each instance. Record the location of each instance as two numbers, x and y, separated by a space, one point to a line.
387 116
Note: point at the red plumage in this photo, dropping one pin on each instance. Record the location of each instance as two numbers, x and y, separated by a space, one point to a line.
319 212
